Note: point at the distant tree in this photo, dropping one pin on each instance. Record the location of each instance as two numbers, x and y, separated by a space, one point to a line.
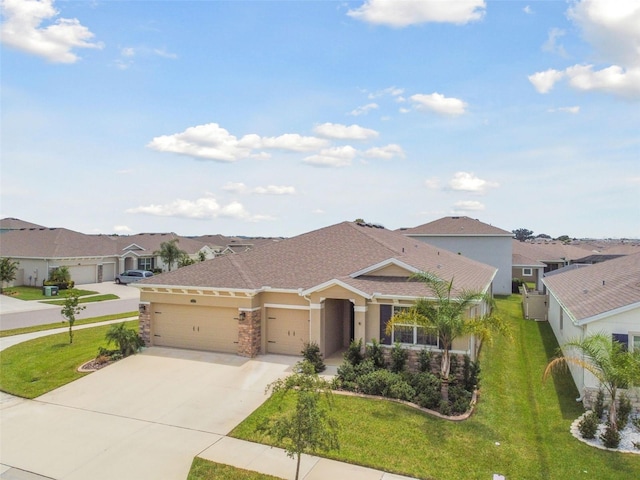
360 220
202 256
522 234
169 252
185 260
70 309
564 238
8 271
543 235
308 427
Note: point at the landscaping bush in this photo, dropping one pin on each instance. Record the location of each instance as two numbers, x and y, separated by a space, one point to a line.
588 426
599 405
459 398
444 408
311 353
610 437
354 355
385 384
398 358
470 374
424 360
454 369
427 388
348 374
127 340
375 353
624 411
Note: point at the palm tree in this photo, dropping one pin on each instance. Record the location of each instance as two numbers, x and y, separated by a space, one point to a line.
445 316
169 252
609 361
8 271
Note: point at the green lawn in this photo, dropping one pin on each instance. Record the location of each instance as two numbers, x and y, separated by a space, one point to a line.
38 366
51 326
35 293
95 298
520 428
206 470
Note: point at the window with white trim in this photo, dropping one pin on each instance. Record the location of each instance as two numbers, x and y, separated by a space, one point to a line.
527 272
634 341
145 263
411 334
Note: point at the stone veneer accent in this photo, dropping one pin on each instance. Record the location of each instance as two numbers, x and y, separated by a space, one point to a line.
590 395
249 334
144 327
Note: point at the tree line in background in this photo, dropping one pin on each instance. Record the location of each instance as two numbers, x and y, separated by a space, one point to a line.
524 234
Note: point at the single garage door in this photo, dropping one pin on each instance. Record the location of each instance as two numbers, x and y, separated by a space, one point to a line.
83 274
287 330
198 328
108 272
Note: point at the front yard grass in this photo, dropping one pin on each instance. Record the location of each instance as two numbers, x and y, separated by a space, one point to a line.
520 428
35 293
51 326
94 298
38 366
205 470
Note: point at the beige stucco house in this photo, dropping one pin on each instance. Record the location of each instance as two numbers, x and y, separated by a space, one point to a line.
600 298
328 286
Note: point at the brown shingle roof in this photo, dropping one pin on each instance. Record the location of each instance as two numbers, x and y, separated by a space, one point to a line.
456 226
55 243
151 242
547 252
16 224
594 290
334 252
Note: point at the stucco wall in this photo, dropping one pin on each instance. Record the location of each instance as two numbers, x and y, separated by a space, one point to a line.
494 251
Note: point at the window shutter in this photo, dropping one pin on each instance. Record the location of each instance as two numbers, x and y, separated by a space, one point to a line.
385 316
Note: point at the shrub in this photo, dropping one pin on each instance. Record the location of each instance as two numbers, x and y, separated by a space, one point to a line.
624 411
402 391
385 384
427 388
459 398
454 368
375 354
610 437
398 358
348 374
470 374
588 426
311 353
127 340
444 408
424 360
353 355
598 405
636 423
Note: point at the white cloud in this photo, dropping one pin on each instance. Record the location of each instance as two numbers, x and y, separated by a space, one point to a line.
543 82
161 52
551 45
333 157
22 30
201 208
389 91
574 110
387 152
212 142
128 51
343 132
611 28
275 190
468 206
235 187
432 183
404 13
468 182
364 109
528 10
121 229
438 103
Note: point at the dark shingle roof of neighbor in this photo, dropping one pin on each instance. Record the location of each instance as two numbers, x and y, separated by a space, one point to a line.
55 243
16 224
597 289
331 253
456 226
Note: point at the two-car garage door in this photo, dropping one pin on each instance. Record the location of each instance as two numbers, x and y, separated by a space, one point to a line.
199 328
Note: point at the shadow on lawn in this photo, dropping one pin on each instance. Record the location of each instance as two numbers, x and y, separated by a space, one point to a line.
565 389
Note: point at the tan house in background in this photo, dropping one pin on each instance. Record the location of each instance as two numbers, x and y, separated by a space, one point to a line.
329 286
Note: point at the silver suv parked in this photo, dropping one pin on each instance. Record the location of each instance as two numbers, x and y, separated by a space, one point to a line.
132 276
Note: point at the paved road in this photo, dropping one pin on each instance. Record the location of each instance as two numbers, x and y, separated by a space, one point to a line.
17 313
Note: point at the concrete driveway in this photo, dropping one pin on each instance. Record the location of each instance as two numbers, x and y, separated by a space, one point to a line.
144 417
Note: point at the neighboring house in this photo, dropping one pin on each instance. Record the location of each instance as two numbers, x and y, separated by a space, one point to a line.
473 239
531 260
604 297
7 224
329 286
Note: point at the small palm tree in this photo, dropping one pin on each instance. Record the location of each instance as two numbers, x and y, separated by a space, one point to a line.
612 365
169 252
8 271
446 316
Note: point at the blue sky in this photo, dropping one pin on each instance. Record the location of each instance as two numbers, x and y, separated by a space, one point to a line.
278 117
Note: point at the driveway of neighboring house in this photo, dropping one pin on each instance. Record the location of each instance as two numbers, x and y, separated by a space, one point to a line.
146 416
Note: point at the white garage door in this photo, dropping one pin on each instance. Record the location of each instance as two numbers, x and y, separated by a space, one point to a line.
287 330
83 274
198 328
108 272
